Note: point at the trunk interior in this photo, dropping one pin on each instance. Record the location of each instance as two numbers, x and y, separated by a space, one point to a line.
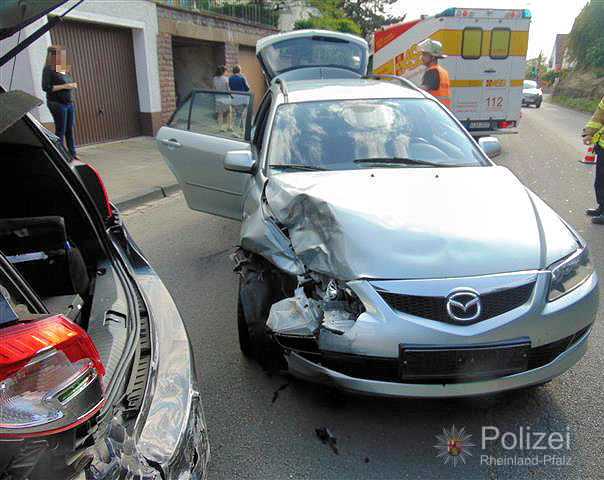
48 238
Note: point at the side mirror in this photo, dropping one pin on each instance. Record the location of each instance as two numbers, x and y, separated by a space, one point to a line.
240 161
490 146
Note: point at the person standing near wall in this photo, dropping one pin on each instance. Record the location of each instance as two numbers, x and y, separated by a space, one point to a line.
223 108
238 83
59 86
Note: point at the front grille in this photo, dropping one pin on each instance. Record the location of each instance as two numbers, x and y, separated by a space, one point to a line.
434 308
389 369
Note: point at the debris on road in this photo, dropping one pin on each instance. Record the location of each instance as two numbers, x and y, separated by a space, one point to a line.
327 438
280 389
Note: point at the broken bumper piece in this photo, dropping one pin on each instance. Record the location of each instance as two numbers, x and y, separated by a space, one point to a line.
306 367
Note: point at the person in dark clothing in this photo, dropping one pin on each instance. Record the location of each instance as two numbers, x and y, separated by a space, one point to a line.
238 83
59 87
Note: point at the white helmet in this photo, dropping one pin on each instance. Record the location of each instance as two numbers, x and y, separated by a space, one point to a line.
431 47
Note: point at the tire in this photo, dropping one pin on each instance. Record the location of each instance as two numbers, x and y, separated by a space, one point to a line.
538 104
254 342
245 345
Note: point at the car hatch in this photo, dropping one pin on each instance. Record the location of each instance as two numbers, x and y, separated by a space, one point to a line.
17 14
312 54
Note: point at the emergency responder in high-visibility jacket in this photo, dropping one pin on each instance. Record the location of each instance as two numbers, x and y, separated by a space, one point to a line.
436 79
593 134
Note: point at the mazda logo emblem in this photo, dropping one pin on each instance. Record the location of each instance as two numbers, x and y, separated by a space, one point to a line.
464 306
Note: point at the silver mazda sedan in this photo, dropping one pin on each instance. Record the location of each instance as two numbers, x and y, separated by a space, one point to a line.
381 250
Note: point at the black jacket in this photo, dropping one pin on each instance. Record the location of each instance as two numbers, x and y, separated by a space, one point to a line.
50 78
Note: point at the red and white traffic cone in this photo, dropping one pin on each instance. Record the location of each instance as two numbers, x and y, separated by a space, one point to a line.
590 156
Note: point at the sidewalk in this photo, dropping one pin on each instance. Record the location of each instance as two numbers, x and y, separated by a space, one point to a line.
133 170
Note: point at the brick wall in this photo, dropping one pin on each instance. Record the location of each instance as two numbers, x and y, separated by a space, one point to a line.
166 76
231 54
218 28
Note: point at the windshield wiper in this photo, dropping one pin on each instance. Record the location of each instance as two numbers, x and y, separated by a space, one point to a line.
400 161
291 166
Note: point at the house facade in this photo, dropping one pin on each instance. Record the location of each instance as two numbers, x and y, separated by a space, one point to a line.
135 59
558 59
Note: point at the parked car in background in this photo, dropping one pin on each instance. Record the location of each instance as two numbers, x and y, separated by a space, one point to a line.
381 250
90 385
531 94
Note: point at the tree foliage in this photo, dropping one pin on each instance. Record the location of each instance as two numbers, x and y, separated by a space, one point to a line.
361 17
332 17
370 14
586 39
535 67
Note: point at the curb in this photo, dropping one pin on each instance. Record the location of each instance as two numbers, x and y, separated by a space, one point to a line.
128 202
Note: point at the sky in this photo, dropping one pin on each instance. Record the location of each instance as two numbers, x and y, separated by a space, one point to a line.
549 16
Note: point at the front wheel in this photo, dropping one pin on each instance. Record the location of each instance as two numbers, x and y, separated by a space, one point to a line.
254 340
538 104
245 345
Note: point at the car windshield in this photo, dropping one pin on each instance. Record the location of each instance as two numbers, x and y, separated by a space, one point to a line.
351 134
530 84
320 52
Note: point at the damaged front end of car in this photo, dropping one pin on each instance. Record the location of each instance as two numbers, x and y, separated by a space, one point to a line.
353 291
280 313
283 305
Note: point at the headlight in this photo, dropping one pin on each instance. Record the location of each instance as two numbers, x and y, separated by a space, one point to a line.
569 273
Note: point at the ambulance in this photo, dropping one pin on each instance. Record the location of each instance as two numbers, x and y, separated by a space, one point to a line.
486 60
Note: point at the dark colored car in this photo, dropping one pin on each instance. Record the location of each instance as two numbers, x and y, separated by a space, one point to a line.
531 94
97 376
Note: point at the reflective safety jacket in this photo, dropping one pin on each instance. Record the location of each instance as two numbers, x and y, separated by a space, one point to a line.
443 92
595 127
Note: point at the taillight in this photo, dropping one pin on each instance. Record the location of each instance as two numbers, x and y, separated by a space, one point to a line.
50 377
506 124
105 195
96 187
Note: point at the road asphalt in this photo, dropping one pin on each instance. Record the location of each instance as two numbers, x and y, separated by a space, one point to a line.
257 433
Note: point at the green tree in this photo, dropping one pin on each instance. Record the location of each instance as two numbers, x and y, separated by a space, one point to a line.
586 39
361 17
536 67
345 25
370 14
332 17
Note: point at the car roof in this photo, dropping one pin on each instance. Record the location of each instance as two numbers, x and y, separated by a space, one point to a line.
344 89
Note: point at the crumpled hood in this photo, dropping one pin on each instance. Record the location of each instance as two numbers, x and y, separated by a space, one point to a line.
416 222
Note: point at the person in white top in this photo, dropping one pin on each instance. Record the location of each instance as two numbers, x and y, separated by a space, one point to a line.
223 107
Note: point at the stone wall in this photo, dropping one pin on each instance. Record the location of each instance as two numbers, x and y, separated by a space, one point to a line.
580 84
166 75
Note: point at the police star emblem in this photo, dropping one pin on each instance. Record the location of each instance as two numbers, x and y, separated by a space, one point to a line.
454 445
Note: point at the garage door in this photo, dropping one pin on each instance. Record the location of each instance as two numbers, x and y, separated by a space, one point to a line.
253 73
102 63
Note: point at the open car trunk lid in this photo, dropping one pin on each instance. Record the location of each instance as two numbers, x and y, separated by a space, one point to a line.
312 54
16 14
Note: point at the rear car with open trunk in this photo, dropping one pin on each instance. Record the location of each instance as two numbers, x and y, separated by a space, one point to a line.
89 383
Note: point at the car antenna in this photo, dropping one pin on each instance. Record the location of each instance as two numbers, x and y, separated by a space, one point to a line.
403 81
283 88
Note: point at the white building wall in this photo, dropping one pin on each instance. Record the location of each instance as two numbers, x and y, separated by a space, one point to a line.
138 15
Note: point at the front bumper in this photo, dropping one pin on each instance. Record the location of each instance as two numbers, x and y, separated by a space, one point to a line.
379 332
